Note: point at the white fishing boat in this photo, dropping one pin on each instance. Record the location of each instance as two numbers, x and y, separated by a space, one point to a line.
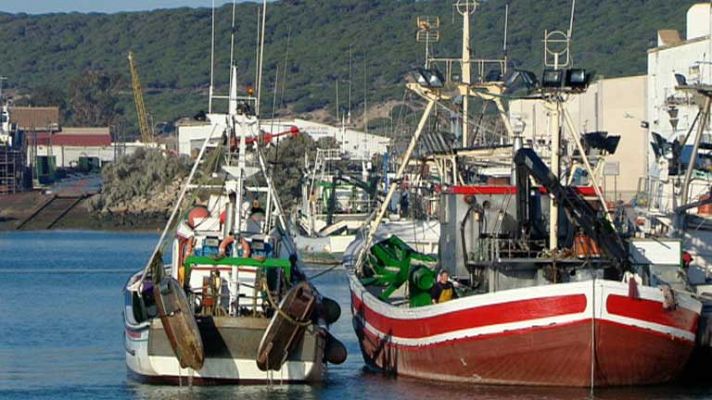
233 305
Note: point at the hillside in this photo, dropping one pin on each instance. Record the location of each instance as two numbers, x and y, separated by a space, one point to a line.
48 56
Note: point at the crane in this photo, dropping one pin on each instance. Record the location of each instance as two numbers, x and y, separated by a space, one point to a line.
144 128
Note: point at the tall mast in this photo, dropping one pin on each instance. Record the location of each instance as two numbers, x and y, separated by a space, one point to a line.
232 122
212 60
465 8
261 60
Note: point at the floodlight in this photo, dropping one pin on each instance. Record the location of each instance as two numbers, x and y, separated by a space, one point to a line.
436 79
520 81
430 78
552 78
577 78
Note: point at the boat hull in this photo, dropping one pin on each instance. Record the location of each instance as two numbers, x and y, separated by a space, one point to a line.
575 334
230 353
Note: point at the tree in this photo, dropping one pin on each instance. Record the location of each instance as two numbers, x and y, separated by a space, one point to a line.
93 98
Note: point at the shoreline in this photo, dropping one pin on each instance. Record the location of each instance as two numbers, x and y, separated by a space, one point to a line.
15 210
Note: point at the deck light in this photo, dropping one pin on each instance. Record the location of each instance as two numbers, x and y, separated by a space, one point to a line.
431 78
520 81
577 78
552 78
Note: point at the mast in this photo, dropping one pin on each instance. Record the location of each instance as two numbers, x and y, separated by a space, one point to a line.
212 60
261 60
555 131
465 8
241 164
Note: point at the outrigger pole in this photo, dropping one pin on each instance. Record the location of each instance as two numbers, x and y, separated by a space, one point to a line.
394 183
175 210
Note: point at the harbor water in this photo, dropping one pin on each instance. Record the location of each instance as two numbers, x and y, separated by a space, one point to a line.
62 333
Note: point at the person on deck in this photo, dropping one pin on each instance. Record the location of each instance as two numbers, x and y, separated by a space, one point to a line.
443 290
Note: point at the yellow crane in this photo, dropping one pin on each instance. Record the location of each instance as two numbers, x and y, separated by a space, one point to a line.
144 127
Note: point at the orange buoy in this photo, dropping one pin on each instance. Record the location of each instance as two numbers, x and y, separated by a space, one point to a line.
705 209
198 212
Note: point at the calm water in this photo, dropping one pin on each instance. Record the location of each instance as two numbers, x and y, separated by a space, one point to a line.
61 333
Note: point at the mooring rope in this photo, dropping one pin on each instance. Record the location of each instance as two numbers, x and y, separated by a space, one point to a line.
281 312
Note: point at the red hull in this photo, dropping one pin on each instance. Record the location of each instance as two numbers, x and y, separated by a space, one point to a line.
550 354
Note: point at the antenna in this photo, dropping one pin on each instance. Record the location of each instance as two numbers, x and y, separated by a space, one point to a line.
212 61
365 93
337 99
262 52
557 45
350 82
506 25
571 21
428 32
232 45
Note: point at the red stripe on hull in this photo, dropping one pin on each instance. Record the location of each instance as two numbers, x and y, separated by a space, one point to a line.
504 190
558 355
652 311
474 317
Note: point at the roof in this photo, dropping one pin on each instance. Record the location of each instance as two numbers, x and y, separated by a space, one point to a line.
681 43
35 118
78 137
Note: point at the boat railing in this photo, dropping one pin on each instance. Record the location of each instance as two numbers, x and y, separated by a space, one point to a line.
491 249
658 195
484 69
352 206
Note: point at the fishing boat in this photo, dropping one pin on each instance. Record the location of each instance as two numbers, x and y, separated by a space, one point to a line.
338 196
674 203
548 289
233 305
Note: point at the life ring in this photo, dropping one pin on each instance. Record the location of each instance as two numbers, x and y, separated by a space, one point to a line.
188 249
245 248
222 249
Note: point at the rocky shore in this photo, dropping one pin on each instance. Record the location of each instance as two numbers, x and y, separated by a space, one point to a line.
16 208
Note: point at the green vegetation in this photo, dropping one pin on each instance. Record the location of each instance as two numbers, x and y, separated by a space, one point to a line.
147 180
308 46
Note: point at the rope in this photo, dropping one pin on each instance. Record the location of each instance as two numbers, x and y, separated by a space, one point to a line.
320 273
281 312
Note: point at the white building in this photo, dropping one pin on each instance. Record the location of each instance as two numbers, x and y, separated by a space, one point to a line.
359 145
613 105
671 113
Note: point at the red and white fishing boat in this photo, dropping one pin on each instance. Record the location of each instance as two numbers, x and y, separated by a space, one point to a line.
591 333
551 290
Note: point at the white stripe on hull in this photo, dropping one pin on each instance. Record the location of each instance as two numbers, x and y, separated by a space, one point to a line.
140 363
603 289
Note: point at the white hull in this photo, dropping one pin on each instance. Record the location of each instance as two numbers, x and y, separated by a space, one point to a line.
215 370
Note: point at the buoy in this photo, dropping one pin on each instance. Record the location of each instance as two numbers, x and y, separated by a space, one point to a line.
334 351
196 213
223 217
329 310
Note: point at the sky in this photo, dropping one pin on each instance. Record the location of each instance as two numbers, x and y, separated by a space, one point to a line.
105 6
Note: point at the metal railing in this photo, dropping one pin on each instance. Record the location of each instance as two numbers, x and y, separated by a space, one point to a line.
482 68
